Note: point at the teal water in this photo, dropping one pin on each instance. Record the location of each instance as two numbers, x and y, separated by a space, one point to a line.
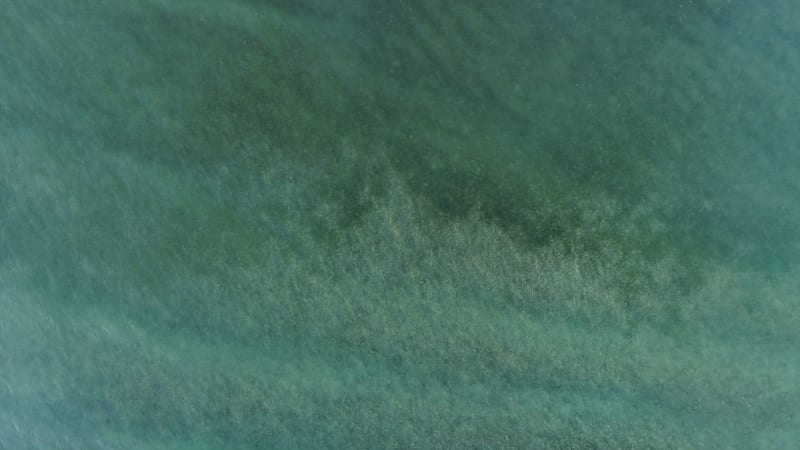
307 224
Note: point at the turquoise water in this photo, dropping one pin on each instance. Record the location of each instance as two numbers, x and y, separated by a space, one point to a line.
306 224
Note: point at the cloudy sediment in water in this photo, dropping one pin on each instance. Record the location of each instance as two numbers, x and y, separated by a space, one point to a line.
300 224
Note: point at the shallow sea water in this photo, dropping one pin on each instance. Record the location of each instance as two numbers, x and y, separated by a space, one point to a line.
307 224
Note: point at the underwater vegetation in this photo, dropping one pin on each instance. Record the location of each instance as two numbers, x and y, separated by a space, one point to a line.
413 224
